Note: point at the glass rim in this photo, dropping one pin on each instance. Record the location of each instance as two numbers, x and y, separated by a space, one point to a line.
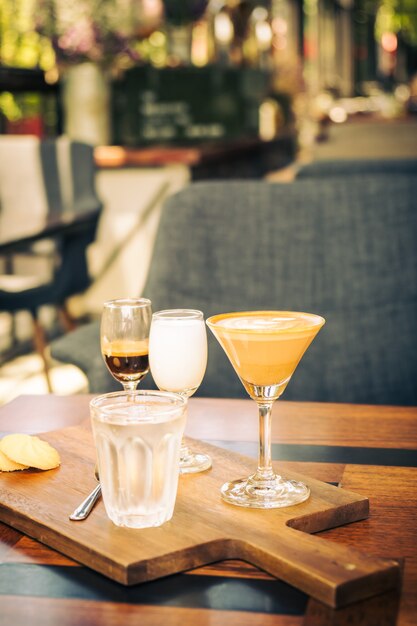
178 314
213 323
133 302
180 401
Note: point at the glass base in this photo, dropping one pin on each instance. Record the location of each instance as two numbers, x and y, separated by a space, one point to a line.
147 519
193 462
273 493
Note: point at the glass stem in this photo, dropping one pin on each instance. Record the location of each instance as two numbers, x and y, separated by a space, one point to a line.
130 388
265 471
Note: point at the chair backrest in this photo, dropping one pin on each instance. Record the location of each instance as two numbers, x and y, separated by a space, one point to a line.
56 176
345 249
71 187
69 174
353 167
22 188
38 177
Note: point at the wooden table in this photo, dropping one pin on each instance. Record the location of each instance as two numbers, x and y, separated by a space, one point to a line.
369 450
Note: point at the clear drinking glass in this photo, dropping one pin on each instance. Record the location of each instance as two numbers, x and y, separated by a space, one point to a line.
138 438
124 338
264 348
178 360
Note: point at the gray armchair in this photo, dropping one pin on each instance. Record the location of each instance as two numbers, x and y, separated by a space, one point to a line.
346 249
353 167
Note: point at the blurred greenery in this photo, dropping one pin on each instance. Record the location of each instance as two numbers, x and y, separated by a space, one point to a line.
20 44
397 16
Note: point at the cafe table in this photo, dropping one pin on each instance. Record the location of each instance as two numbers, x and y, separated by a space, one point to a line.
369 450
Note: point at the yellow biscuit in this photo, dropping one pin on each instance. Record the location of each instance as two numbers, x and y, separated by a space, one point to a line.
30 450
7 465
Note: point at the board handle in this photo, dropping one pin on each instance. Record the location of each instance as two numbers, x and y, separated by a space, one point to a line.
335 574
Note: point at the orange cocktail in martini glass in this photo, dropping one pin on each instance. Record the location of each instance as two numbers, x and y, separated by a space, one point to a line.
264 348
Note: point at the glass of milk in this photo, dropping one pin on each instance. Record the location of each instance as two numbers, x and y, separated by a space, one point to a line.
178 361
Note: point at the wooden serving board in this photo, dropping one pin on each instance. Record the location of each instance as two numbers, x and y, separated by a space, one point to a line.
203 529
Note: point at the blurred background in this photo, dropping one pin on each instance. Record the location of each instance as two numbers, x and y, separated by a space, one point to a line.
183 71
172 91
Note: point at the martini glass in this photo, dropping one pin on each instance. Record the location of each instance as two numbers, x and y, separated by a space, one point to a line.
264 348
178 360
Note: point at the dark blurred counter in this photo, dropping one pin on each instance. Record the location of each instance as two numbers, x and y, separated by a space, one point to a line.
235 159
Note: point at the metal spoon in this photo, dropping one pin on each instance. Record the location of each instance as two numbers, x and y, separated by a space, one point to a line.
82 511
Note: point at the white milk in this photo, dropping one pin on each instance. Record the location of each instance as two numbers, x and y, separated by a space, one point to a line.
178 353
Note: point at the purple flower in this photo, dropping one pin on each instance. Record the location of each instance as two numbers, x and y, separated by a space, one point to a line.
93 30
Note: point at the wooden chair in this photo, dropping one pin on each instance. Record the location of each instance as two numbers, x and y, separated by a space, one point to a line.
65 184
